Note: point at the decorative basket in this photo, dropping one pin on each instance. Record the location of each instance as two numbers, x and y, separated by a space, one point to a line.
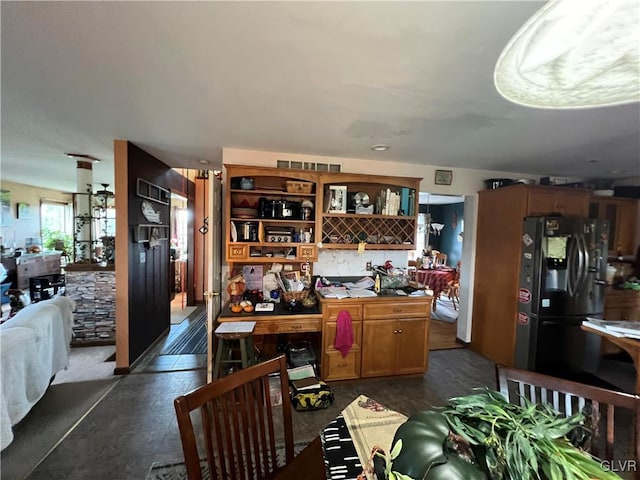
299 187
297 296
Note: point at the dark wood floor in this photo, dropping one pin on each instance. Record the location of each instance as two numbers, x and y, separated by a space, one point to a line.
134 425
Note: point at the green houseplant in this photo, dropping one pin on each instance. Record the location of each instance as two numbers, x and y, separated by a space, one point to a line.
483 436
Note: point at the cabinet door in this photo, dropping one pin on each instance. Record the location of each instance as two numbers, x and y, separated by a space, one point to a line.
574 203
624 240
412 346
542 202
379 347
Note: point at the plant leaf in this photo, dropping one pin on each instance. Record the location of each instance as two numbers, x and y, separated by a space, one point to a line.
395 451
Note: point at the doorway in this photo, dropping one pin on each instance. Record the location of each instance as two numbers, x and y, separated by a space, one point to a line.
179 258
196 238
440 253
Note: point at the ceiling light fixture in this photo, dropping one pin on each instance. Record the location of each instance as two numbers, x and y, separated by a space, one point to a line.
82 156
574 55
381 147
204 162
593 160
617 171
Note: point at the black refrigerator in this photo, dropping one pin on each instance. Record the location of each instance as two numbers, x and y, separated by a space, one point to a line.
562 281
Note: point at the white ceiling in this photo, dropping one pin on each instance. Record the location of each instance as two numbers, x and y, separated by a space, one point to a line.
182 80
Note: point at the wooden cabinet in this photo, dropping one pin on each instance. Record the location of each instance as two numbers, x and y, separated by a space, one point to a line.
394 347
622 214
390 337
266 220
566 201
498 256
391 203
270 215
621 304
334 365
398 333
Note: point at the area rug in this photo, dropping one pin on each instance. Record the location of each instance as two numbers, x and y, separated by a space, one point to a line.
193 340
444 310
178 471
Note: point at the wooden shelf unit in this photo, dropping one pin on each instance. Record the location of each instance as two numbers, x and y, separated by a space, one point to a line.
381 232
329 230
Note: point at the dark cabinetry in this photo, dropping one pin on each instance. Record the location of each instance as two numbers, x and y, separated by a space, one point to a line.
622 214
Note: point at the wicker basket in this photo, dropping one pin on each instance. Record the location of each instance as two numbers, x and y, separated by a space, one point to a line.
299 187
297 296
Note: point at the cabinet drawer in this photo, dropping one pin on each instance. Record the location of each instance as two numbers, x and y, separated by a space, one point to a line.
238 252
308 252
329 334
396 310
332 311
336 367
266 327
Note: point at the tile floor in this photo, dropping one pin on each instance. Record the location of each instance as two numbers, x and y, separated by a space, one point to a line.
128 423
134 424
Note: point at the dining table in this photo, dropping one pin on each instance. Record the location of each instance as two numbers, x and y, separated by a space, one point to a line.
629 345
436 279
342 449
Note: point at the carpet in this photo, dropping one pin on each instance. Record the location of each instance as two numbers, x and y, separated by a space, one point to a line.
177 471
193 340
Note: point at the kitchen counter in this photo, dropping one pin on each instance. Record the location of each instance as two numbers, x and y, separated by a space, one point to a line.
280 320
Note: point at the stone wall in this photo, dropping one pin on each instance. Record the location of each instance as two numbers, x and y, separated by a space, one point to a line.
95 317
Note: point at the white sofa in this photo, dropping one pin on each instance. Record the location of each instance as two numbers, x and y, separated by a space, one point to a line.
34 346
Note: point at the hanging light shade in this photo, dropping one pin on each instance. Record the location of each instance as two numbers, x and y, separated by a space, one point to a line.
104 198
574 54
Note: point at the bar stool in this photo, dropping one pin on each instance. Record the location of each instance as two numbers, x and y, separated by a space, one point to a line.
226 344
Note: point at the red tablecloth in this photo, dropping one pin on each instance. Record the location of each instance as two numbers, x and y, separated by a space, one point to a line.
436 279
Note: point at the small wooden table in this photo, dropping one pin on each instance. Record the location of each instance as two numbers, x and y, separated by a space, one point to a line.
629 345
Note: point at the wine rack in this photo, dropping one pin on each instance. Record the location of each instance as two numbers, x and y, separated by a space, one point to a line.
380 232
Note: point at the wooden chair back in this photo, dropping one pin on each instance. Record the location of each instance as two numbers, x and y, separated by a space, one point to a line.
568 398
452 290
235 431
440 259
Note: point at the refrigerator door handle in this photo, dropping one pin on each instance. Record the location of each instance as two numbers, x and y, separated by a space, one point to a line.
571 267
583 262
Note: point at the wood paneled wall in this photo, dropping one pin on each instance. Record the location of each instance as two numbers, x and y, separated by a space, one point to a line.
142 287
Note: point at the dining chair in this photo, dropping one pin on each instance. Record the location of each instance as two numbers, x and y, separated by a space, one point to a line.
240 427
440 259
600 406
452 290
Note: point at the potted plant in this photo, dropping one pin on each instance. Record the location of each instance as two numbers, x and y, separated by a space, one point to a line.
483 436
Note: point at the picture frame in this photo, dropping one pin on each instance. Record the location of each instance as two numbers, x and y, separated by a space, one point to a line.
337 199
23 211
443 177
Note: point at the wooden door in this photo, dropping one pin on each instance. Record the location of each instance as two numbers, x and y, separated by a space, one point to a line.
213 262
379 352
412 346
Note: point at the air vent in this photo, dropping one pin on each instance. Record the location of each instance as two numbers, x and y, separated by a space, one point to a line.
320 167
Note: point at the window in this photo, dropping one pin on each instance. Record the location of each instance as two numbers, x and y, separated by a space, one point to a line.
56 225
